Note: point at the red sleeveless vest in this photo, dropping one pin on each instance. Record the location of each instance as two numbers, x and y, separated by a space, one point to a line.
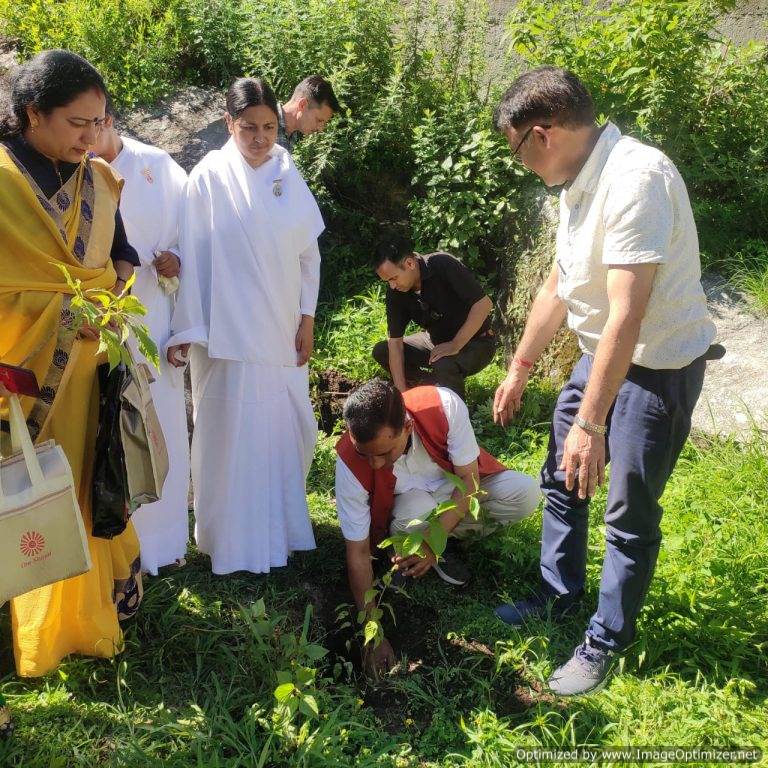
431 424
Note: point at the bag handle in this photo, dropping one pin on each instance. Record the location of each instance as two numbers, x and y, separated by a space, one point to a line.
21 440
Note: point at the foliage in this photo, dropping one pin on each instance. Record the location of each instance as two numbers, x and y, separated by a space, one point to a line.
464 183
115 317
132 42
661 73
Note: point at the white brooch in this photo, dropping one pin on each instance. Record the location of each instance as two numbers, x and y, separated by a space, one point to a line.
277 187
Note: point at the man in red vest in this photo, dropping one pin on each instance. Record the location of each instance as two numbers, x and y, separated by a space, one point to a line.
390 470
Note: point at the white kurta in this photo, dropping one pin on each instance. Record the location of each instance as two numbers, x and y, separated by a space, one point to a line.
150 204
252 269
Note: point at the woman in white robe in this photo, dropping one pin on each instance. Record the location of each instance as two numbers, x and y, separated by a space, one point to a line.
248 240
150 204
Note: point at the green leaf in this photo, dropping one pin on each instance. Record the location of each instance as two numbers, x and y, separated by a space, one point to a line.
474 508
283 676
447 164
308 706
371 631
370 595
315 652
284 692
437 537
412 543
456 481
259 609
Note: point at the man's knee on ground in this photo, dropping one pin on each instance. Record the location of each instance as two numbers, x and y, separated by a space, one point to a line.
446 365
380 353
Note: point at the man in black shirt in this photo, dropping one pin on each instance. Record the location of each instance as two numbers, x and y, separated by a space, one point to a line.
437 292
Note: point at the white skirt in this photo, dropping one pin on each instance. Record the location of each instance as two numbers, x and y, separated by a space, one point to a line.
163 527
254 437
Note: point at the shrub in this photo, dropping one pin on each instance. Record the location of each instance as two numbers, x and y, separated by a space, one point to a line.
659 71
464 182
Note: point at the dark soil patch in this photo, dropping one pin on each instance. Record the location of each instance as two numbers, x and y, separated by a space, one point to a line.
331 391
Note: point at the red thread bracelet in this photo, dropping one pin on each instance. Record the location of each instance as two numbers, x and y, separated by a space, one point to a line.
522 363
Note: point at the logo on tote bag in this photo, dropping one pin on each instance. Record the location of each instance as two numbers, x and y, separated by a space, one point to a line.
32 543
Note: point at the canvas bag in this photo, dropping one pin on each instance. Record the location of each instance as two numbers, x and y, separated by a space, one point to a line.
42 537
146 455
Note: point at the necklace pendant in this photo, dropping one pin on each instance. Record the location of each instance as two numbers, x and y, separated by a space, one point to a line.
277 187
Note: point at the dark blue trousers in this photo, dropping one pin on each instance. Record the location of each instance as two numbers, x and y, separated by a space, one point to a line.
647 428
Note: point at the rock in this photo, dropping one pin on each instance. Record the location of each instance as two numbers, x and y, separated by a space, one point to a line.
734 400
187 125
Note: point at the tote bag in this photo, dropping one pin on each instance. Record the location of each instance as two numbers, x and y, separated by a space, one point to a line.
144 448
42 537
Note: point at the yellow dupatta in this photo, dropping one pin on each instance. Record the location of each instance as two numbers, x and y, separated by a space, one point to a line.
74 228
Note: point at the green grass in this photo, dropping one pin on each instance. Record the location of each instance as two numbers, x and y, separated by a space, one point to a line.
195 684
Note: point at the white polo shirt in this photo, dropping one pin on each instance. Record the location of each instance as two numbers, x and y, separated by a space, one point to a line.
414 470
629 205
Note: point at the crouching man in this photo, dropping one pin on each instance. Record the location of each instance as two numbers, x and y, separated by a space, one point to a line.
390 470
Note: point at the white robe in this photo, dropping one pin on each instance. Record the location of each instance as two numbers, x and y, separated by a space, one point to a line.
149 205
252 269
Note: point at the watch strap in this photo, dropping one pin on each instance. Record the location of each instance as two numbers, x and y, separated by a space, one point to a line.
588 426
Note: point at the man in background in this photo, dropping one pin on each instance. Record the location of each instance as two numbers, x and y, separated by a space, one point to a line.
309 110
437 292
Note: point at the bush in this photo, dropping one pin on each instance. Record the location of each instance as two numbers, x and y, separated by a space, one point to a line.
132 42
658 71
464 184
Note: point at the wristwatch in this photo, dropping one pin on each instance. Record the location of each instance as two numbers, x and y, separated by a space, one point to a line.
588 426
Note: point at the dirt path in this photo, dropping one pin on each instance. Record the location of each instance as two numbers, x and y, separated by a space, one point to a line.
735 396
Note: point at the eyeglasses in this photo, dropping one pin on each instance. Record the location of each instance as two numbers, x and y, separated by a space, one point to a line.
525 136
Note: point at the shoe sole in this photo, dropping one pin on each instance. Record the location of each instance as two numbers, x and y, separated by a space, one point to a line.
448 579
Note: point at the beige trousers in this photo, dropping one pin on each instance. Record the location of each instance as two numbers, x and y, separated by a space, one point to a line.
508 497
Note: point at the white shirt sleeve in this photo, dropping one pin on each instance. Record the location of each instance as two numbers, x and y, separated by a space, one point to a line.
462 443
352 505
638 218
310 278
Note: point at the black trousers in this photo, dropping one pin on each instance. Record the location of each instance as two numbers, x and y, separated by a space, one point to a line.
447 372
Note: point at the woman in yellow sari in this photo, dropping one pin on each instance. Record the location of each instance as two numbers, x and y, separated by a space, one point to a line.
59 206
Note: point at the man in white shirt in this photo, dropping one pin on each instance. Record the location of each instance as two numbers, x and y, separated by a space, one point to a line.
391 469
627 278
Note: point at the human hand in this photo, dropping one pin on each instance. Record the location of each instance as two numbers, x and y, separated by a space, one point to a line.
417 565
305 339
4 391
584 456
167 264
378 660
446 349
176 352
506 401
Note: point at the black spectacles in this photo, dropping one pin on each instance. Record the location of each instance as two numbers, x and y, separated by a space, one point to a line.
525 136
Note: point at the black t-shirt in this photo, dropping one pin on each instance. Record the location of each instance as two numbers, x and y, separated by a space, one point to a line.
448 291
43 171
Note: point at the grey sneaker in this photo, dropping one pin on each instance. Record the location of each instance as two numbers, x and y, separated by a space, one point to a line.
450 568
587 671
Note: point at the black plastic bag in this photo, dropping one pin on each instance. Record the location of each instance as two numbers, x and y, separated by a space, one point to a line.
109 503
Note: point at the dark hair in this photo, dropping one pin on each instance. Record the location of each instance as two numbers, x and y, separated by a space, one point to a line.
249 92
373 405
49 80
394 247
546 94
317 89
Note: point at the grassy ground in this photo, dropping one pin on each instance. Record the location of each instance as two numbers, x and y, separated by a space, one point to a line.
195 684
